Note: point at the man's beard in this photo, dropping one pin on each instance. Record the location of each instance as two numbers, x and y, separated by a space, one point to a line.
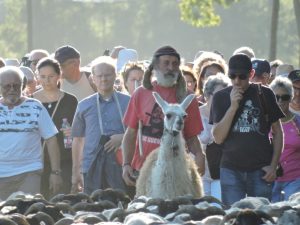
168 79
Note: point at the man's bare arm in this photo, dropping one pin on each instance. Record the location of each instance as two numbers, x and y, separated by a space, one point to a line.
128 148
77 151
194 146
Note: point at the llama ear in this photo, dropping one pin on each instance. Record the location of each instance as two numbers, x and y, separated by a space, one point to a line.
162 103
187 101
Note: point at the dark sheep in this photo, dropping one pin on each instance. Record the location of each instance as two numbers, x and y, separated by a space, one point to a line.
114 195
247 217
199 214
291 216
4 220
90 218
72 199
50 210
65 208
19 219
38 218
120 214
93 207
22 204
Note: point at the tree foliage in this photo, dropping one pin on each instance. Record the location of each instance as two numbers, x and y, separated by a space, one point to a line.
13 28
143 25
201 13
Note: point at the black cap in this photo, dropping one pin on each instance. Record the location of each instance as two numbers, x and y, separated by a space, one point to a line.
294 75
239 64
166 50
261 66
66 52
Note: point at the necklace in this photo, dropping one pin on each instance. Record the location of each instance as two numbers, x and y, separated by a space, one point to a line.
49 105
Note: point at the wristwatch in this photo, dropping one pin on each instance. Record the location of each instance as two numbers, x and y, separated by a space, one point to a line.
56 172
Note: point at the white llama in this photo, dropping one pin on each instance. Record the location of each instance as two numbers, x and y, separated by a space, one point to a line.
169 171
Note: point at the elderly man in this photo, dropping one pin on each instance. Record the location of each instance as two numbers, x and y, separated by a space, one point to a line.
73 80
97 132
145 116
23 122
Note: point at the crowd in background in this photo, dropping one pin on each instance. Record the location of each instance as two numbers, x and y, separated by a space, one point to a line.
93 100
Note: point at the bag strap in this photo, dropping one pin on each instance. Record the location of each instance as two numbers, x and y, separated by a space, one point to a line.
53 114
99 111
263 102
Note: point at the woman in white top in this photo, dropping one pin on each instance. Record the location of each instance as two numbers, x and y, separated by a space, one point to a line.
213 84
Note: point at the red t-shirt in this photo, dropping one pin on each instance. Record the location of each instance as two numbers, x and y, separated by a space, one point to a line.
142 106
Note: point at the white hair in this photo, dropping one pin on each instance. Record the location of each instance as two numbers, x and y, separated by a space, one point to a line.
8 70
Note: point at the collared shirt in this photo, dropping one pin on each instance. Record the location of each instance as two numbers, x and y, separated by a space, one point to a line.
86 123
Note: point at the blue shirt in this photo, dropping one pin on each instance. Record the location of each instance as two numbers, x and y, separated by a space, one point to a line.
86 122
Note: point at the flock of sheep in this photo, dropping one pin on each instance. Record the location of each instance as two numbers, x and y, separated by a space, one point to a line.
114 207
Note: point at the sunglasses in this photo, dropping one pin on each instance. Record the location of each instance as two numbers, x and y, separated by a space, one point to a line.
283 97
240 76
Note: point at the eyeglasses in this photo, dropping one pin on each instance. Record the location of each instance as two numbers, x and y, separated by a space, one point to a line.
7 87
240 76
283 97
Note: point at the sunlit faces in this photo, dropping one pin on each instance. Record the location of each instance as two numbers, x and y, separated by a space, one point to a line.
134 80
104 76
48 78
190 83
167 70
11 88
241 80
67 67
283 98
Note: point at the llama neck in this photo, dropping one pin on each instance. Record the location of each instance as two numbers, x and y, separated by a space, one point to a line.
172 144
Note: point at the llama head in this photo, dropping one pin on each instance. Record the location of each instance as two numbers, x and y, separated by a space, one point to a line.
174 113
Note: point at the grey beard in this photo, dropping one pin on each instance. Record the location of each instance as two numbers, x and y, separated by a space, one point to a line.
167 79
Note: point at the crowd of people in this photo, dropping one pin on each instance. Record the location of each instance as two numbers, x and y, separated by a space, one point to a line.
246 110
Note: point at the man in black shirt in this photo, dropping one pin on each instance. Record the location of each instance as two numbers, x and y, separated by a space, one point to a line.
242 119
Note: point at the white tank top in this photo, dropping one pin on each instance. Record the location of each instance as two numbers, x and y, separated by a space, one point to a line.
81 89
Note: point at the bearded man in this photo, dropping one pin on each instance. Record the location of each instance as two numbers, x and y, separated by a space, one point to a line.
164 77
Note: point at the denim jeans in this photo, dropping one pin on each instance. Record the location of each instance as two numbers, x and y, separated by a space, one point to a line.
236 185
283 190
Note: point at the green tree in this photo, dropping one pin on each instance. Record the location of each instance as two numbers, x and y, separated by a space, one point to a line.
13 28
201 13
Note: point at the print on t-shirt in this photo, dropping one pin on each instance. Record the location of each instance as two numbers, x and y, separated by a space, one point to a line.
21 119
156 123
248 121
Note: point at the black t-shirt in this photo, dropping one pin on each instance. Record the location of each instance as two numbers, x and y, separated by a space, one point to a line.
66 109
247 146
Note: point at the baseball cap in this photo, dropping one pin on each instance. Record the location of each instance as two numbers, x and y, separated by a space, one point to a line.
239 64
66 52
294 75
261 66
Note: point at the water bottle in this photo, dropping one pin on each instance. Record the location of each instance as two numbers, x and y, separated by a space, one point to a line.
67 139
